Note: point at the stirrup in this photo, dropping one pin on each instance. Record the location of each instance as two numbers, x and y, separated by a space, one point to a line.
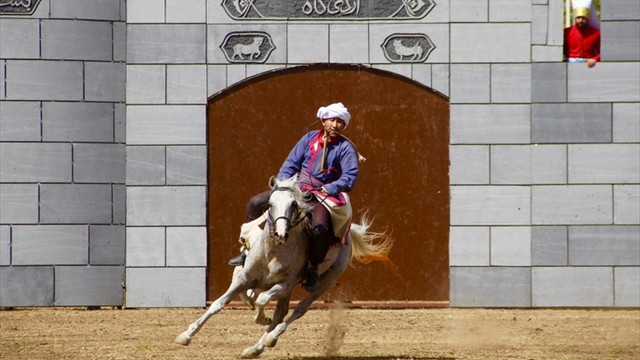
238 260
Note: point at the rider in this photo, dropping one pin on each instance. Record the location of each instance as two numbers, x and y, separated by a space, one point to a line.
327 164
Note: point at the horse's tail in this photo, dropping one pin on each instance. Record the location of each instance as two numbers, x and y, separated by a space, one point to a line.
367 246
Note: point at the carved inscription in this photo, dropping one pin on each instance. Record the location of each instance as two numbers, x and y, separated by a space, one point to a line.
247 47
327 9
18 7
407 48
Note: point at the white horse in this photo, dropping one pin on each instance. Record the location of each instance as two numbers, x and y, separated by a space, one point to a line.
277 262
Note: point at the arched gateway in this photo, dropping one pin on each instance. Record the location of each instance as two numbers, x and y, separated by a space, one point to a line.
401 127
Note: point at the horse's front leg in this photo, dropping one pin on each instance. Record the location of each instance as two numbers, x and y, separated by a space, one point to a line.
282 308
234 289
263 299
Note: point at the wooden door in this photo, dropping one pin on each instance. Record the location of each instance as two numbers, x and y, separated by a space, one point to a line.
400 126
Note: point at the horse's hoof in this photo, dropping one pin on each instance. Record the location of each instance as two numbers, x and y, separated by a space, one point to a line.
250 353
183 339
264 321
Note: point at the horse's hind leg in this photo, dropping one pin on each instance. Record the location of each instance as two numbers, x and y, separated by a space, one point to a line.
216 306
282 308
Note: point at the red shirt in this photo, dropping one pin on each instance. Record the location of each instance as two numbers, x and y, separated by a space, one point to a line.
582 43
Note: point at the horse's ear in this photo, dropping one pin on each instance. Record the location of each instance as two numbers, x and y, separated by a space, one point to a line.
272 182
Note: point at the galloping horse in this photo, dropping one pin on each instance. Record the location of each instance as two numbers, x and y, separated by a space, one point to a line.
277 261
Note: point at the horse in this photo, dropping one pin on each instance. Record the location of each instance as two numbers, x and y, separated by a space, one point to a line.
277 261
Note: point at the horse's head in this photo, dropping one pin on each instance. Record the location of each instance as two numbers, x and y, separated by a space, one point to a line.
286 208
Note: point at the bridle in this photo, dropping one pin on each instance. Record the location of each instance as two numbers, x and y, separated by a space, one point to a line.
293 217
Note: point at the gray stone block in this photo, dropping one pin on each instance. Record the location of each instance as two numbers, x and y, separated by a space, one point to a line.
120 41
469 246
75 203
169 124
626 204
168 44
186 11
308 43
186 84
572 286
469 164
89 285
146 84
106 245
548 164
627 286
50 245
104 81
571 123
141 12
146 246
490 287
440 78
5 245
18 203
491 43
549 246
119 124
166 287
146 165
605 163
87 9
44 80
19 38
469 10
187 165
539 24
490 205
490 124
171 205
510 10
555 32
620 41
549 82
35 162
511 83
187 246
612 10
26 286
119 204
99 163
70 121
3 77
617 82
604 245
542 53
422 74
571 205
511 164
470 83
349 43
76 40
626 127
511 246
20 121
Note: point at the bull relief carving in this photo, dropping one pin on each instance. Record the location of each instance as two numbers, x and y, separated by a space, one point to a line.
328 9
407 48
18 7
247 47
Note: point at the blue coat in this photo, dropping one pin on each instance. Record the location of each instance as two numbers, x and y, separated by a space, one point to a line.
339 171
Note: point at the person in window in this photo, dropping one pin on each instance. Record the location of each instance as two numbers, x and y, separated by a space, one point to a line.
582 40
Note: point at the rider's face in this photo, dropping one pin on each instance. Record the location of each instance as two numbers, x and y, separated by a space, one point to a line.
333 126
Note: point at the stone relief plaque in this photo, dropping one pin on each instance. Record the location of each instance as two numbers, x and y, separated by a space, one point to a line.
18 7
328 9
407 48
247 47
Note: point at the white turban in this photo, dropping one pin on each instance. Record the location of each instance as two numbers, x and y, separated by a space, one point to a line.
336 110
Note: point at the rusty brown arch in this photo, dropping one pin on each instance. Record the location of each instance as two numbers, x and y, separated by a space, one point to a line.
402 128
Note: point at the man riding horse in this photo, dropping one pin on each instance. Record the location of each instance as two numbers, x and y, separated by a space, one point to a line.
327 164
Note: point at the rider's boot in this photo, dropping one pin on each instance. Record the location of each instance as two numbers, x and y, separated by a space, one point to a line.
318 248
310 282
238 260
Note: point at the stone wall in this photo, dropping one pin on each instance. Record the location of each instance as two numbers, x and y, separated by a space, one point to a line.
545 181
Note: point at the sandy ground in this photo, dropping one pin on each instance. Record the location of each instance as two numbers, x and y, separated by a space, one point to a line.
325 333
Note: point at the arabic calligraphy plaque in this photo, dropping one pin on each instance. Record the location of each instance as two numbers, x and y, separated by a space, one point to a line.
18 7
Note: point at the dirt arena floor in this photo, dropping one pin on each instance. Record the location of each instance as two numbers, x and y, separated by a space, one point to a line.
325 333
